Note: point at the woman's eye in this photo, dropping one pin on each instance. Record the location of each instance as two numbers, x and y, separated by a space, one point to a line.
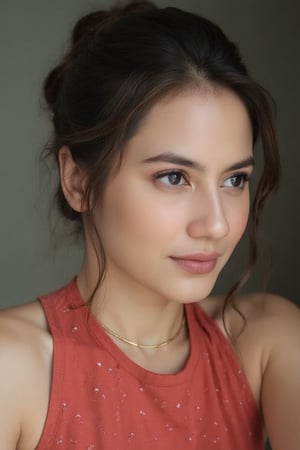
174 178
237 181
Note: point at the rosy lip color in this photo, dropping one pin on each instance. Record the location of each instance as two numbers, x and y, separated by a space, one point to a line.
197 267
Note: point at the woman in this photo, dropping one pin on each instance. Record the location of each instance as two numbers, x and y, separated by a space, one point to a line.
155 123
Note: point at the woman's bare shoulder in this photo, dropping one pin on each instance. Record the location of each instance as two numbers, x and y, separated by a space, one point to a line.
257 311
29 314
268 316
25 343
24 337
266 304
25 365
23 328
263 327
274 325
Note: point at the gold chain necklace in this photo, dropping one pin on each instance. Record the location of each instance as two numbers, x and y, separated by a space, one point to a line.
135 344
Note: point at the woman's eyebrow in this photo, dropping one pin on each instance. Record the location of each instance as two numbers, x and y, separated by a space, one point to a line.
247 162
179 160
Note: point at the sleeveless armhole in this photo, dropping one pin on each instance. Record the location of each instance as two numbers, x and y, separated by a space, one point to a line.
55 405
211 326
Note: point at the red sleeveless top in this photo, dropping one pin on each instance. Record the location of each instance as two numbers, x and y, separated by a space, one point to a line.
101 400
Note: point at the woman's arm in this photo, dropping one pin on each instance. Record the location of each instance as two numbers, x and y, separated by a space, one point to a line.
11 385
281 378
25 376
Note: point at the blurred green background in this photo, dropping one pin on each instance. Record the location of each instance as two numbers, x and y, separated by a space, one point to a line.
33 35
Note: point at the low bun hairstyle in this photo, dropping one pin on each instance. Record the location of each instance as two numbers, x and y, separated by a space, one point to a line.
119 64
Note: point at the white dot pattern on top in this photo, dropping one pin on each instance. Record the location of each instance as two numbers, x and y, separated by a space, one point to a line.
100 399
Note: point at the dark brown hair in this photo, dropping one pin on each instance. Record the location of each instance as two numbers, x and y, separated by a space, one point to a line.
119 64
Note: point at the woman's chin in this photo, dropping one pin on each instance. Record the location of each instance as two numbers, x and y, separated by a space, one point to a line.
191 295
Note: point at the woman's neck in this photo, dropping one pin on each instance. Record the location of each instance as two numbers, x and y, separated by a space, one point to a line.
129 309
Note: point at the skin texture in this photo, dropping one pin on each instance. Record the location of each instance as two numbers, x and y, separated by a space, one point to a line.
146 217
202 212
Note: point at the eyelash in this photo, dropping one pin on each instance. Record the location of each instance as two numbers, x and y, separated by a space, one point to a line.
245 178
159 176
243 175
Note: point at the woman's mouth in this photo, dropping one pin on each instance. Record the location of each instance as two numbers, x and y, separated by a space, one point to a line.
197 264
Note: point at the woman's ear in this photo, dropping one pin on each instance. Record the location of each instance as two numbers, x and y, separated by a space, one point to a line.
72 180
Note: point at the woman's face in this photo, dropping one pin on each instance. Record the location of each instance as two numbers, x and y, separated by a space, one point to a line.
179 204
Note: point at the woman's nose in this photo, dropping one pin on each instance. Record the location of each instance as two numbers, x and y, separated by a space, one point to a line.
208 217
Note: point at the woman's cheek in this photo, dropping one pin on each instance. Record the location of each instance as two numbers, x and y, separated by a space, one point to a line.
240 220
144 212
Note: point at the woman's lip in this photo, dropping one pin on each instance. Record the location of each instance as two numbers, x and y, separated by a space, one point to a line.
196 266
198 257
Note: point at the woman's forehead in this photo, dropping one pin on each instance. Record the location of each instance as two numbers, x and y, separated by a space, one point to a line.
194 122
